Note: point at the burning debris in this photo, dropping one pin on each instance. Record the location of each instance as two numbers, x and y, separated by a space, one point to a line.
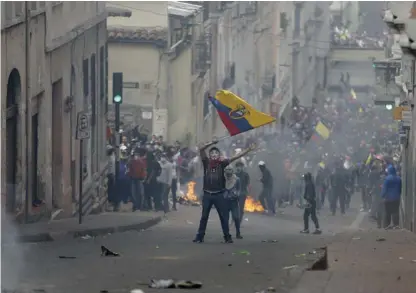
253 205
190 198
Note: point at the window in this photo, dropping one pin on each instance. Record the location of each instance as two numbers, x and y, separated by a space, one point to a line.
8 10
93 89
85 77
18 9
232 71
93 139
206 104
298 10
147 86
106 78
101 69
33 5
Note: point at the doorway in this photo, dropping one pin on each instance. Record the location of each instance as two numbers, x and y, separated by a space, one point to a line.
35 146
56 143
14 89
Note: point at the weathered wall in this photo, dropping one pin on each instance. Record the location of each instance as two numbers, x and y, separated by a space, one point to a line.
68 50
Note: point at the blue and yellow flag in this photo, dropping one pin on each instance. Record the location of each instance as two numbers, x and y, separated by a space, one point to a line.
236 114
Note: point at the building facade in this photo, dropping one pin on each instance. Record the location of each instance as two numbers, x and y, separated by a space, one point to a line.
401 19
267 52
156 49
53 63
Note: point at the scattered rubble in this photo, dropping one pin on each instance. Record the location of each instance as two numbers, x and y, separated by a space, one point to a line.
171 284
107 252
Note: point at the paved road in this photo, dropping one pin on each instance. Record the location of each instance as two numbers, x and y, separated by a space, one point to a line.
166 251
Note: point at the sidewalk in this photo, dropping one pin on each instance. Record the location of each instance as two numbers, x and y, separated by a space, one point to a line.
92 225
371 261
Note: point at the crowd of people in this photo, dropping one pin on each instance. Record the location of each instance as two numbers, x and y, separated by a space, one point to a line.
297 164
149 171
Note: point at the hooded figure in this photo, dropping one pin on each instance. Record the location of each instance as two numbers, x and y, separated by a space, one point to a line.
391 192
310 209
266 193
232 194
245 185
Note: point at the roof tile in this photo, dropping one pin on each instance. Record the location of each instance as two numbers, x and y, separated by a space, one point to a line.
138 34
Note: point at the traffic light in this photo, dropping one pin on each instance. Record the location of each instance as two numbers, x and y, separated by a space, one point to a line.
117 87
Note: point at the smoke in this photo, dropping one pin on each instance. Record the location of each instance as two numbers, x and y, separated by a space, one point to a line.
12 253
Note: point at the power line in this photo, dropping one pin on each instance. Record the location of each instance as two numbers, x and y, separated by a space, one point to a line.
232 27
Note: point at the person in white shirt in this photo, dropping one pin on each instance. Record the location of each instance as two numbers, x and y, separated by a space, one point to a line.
111 174
174 184
165 181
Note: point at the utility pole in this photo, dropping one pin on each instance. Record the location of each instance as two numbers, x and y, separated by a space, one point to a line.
28 117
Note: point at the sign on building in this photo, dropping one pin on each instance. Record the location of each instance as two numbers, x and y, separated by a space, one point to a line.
83 125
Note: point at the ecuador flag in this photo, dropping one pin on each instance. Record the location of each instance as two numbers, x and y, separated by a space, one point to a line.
236 114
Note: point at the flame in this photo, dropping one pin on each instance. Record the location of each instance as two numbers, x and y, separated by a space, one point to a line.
252 205
190 195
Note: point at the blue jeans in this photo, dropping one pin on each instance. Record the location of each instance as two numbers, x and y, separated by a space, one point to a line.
233 207
219 202
136 193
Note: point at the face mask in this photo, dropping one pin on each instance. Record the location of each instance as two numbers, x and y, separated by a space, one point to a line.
214 155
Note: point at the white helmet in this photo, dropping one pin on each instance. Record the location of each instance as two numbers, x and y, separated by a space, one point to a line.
262 163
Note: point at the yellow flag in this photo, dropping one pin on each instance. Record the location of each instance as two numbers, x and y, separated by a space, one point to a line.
322 130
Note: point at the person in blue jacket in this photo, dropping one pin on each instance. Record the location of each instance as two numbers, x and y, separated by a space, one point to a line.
392 189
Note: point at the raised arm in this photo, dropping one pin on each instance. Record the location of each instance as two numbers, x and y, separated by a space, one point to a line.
203 147
252 147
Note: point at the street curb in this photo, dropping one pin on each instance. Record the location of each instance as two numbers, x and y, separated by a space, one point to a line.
51 236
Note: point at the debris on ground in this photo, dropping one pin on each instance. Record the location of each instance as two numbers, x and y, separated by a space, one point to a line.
189 222
270 289
136 291
171 284
300 255
248 261
157 246
269 241
244 252
107 252
356 238
67 257
86 237
290 267
381 239
246 219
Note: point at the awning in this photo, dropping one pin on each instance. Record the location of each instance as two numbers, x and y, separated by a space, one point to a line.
183 9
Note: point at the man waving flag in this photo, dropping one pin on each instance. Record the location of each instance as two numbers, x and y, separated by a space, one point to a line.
236 114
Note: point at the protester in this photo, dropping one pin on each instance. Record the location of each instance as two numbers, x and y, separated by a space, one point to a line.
111 180
214 187
245 183
391 192
231 195
267 191
165 181
174 183
310 208
137 170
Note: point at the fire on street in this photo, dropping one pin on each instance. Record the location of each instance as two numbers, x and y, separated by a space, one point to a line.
191 198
